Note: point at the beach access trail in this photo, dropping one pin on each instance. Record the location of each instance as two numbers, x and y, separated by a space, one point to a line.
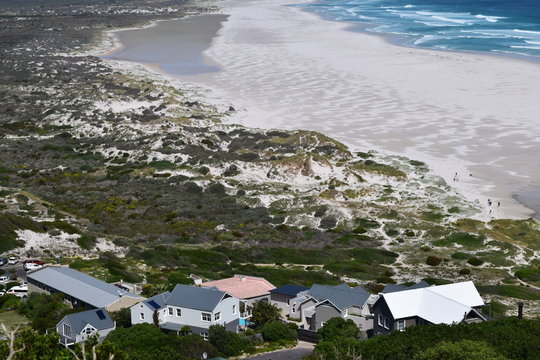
466 113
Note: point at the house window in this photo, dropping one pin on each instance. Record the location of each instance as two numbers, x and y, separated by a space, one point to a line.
383 321
217 316
142 316
88 330
234 309
178 312
204 335
401 325
289 302
206 317
67 330
171 311
322 323
293 309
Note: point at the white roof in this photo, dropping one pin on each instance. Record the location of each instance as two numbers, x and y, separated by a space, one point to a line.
463 292
444 304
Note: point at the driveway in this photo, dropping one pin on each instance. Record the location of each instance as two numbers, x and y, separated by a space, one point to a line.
21 274
297 353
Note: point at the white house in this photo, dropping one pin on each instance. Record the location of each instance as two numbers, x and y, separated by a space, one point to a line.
197 308
444 304
78 327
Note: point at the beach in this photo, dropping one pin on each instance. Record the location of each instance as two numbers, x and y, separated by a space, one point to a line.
473 118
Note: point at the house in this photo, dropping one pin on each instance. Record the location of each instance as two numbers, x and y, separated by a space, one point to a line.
80 289
282 296
444 304
249 289
78 327
195 307
320 303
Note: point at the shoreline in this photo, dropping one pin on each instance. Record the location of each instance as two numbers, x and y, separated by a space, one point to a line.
471 188
401 39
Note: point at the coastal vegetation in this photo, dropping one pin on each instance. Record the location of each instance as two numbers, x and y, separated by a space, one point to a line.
126 176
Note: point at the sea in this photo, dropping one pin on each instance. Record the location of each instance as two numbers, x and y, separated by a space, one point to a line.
510 27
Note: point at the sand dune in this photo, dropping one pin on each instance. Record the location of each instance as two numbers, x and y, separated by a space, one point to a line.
460 112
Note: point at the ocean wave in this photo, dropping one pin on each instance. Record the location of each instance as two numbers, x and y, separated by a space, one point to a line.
409 6
527 32
492 19
525 47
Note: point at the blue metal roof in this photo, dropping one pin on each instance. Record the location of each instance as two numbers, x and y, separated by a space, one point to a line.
99 319
342 296
192 297
79 285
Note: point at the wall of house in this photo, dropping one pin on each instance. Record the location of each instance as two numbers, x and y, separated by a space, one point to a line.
193 318
381 308
280 300
300 309
323 313
136 311
60 331
102 334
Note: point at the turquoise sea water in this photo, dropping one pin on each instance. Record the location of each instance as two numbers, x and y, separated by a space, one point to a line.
509 27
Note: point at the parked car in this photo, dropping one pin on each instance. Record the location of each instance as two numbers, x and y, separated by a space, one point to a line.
3 261
4 279
13 260
19 291
31 266
34 261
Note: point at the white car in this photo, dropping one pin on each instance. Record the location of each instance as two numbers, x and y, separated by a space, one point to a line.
4 279
13 260
32 266
19 291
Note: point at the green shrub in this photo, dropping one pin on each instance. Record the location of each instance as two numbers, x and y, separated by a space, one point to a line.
475 261
460 256
461 238
433 260
464 271
528 274
278 330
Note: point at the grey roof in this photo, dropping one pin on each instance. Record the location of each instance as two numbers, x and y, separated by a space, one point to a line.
342 296
79 285
157 302
291 290
421 284
79 320
390 288
192 297
171 326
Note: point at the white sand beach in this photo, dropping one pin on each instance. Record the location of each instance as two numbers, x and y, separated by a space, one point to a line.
470 114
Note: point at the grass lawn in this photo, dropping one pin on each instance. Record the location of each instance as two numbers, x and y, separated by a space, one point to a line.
11 319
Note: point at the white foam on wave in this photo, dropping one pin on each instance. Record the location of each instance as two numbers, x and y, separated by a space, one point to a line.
525 47
527 32
492 19
409 6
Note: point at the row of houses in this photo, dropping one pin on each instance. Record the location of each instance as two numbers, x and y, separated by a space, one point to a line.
228 302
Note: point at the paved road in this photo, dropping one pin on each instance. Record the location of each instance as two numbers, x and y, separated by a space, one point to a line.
296 353
21 274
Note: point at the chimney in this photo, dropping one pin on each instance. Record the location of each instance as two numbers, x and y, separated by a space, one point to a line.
520 310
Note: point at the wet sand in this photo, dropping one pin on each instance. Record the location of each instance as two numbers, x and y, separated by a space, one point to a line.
469 114
175 46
